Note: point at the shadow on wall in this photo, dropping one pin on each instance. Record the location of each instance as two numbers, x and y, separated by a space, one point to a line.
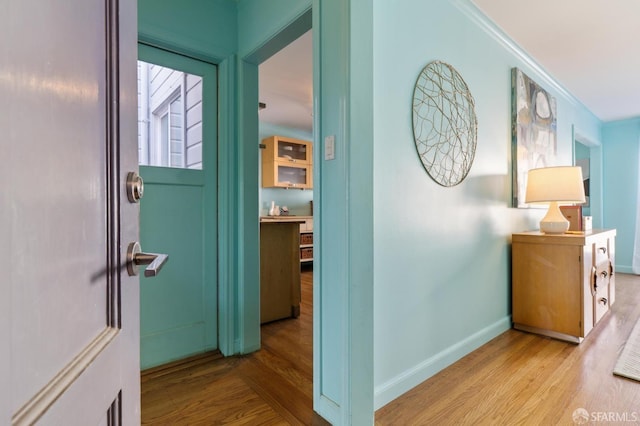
495 191
488 189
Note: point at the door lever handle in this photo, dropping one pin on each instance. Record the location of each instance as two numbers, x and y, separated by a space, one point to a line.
154 261
135 258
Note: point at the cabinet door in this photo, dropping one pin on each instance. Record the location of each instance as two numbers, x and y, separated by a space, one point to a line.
291 175
546 287
283 149
292 150
279 271
287 175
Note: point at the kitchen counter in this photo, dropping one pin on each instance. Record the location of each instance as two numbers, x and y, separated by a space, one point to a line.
279 269
290 218
305 225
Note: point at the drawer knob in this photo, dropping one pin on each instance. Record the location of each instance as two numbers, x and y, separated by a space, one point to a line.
603 250
604 301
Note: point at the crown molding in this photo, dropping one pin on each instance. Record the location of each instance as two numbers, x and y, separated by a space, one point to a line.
488 26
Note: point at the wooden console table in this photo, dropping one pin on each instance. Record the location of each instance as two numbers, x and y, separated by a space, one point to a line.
562 285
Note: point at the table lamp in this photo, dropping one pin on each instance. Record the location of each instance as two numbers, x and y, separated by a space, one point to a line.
555 185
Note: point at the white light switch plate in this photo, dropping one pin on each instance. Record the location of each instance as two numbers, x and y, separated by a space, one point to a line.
330 147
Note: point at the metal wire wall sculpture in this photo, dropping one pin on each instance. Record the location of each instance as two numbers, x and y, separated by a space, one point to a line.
445 126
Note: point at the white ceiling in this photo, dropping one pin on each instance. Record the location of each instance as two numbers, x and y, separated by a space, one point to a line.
591 47
286 85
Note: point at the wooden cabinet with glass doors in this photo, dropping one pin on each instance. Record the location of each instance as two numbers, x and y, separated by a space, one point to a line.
287 163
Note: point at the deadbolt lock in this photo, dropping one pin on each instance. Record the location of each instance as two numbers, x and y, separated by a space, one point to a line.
135 187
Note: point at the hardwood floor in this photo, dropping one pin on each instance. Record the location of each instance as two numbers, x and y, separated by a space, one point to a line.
517 378
521 378
270 387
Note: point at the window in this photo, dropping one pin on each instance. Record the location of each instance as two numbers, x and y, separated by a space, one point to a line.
169 117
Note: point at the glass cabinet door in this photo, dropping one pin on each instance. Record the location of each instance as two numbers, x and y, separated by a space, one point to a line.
281 148
292 151
287 163
292 176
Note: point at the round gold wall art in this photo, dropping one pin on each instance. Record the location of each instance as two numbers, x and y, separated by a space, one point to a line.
445 126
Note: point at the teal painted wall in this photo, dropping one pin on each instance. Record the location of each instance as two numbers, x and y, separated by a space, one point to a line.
360 207
297 200
205 29
263 26
582 151
621 156
344 91
442 255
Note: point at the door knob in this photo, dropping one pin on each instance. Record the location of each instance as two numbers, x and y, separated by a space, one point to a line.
135 258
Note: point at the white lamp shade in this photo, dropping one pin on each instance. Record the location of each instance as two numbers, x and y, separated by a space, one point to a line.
562 184
555 185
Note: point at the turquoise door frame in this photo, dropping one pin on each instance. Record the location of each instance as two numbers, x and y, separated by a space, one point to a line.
178 216
343 203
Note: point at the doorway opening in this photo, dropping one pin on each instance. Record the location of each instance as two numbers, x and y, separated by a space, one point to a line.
286 113
582 154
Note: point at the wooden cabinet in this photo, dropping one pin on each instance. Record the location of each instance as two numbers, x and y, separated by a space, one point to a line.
279 270
562 285
287 163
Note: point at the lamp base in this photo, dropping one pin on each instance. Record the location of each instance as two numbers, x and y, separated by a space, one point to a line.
554 222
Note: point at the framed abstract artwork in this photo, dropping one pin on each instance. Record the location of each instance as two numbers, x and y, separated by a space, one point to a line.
533 131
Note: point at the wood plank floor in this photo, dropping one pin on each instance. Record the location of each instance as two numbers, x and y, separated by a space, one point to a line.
270 387
525 379
517 378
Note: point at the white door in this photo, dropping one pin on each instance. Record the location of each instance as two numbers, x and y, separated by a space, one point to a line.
69 311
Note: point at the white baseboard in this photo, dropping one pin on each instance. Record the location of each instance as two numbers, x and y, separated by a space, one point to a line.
408 379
